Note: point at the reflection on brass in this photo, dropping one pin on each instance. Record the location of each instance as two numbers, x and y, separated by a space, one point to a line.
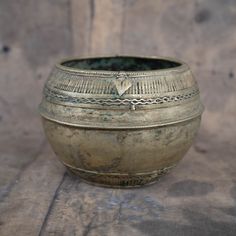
120 121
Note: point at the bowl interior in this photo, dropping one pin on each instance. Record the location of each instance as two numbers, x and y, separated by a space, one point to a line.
121 63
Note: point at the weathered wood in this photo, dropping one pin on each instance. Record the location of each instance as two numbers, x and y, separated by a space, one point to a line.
106 27
197 198
180 199
97 26
27 204
81 26
29 46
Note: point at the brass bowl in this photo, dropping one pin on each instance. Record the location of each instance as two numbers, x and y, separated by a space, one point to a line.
121 121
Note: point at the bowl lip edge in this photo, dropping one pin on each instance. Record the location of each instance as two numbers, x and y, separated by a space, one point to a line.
183 65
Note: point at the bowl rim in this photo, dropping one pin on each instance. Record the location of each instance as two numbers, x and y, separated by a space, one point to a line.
182 67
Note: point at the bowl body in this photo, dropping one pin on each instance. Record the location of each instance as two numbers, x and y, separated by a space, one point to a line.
121 121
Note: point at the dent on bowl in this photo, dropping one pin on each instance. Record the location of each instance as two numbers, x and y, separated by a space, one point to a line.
120 121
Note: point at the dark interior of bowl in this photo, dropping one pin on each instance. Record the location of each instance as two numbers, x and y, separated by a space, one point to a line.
121 64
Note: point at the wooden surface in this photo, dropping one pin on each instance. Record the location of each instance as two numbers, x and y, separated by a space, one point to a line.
37 197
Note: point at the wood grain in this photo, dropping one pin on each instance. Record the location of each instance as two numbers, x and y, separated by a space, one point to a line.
106 27
29 200
81 26
37 197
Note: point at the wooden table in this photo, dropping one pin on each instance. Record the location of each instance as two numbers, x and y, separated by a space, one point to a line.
37 197
197 198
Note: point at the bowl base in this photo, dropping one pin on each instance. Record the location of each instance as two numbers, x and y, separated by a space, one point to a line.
118 180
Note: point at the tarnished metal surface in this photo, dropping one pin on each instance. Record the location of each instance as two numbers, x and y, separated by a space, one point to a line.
197 197
121 128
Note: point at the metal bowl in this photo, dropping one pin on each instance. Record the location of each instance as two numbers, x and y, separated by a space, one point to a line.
121 121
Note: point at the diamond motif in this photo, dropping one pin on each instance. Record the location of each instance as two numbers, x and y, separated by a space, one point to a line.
122 83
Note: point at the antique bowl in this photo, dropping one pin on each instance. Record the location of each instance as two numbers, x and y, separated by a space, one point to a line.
120 121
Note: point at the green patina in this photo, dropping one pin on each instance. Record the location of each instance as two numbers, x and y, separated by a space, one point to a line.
121 64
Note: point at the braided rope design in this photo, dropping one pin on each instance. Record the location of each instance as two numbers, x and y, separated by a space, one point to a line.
53 96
